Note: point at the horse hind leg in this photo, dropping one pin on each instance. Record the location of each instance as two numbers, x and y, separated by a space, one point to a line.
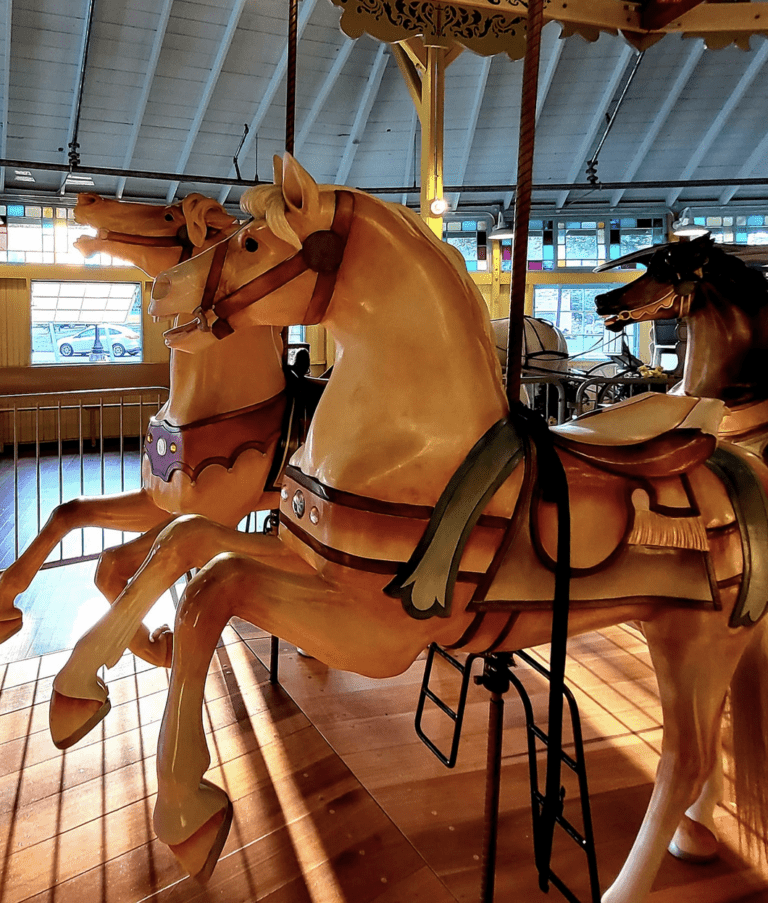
694 655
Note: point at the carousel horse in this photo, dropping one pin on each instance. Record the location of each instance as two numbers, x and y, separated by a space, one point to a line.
724 303
208 450
419 510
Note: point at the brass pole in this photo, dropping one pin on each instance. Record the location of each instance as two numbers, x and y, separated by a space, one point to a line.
523 198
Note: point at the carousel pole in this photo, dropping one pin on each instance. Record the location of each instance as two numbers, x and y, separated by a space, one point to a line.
290 131
523 198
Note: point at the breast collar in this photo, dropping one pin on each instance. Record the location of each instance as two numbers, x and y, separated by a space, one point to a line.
322 252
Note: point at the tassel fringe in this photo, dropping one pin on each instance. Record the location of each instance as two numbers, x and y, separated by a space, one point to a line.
652 529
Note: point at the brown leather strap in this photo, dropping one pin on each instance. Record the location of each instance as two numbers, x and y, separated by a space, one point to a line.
322 252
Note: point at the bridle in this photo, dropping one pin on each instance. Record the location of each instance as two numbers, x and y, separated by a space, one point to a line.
322 253
179 240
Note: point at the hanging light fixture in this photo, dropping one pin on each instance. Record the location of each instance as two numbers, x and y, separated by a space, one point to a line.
685 227
501 230
438 206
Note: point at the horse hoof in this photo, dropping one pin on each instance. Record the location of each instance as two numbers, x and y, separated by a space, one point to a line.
200 852
693 842
10 627
71 719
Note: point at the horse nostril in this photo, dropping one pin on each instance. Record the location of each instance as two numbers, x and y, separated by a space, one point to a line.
161 288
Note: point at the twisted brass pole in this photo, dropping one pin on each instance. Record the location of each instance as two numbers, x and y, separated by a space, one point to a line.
523 198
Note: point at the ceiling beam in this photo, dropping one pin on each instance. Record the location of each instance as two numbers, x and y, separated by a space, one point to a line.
363 112
670 101
149 75
657 14
210 86
410 154
322 95
626 56
756 64
757 156
307 7
5 85
469 135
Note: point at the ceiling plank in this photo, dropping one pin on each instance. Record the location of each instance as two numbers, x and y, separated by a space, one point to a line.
695 53
469 135
598 118
5 85
363 112
141 106
657 14
210 87
322 95
757 156
305 14
756 64
545 83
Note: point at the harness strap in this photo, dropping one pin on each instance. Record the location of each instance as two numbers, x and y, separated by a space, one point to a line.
322 252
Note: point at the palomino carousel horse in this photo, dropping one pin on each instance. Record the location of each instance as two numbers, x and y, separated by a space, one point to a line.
419 511
210 448
724 303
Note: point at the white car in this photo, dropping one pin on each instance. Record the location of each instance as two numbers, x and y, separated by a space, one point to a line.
123 340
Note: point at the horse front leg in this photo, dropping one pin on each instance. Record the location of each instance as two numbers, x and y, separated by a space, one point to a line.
114 571
80 698
694 655
131 511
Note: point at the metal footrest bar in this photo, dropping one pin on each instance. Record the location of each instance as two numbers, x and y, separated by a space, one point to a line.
456 715
577 765
497 677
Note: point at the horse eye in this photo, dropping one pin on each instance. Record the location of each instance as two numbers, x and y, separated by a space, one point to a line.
169 217
251 245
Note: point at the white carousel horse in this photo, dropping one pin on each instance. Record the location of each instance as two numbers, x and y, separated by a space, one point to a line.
414 514
208 450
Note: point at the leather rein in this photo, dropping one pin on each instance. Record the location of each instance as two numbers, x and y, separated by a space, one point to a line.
179 240
322 252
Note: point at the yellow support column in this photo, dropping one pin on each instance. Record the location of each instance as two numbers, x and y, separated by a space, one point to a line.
432 117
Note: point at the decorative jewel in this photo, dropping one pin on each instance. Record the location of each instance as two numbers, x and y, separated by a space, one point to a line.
173 447
149 437
161 446
299 504
284 494
314 515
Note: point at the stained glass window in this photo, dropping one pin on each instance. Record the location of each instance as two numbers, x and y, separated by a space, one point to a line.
30 233
470 237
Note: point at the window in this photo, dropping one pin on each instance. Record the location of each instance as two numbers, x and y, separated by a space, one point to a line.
470 236
31 233
572 309
584 243
86 322
740 229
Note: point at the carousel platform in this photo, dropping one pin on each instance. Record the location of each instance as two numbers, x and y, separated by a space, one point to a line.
335 798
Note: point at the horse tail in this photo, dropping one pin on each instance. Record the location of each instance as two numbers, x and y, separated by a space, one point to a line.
749 738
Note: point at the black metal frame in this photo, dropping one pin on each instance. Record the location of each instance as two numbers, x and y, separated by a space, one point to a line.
497 677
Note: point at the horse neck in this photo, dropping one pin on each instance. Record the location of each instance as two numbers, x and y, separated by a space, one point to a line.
241 370
719 356
416 380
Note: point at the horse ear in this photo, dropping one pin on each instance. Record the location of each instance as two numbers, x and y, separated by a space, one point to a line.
201 212
300 190
277 170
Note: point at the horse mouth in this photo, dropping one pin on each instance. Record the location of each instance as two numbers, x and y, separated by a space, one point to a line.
646 312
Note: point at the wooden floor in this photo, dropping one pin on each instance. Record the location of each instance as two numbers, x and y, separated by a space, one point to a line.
335 797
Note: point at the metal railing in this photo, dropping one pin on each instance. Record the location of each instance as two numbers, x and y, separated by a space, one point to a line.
60 445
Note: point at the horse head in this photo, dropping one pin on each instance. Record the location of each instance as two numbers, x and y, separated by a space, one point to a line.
151 236
285 258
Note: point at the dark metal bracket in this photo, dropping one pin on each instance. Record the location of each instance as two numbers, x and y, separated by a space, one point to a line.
497 677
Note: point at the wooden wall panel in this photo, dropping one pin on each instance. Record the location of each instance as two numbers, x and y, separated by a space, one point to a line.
14 323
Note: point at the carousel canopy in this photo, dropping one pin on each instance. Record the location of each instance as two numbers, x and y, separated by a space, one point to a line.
151 100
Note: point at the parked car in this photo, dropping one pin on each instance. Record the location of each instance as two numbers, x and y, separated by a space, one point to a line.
123 340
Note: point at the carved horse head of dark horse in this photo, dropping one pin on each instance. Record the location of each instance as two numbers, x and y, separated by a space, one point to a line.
724 303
